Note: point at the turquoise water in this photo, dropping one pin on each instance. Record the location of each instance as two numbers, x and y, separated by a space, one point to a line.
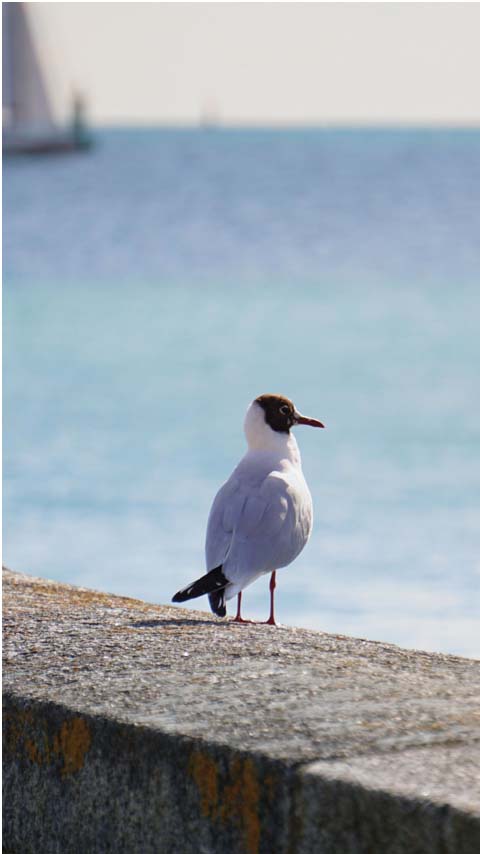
153 287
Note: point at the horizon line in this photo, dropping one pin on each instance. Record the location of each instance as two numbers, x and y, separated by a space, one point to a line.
340 124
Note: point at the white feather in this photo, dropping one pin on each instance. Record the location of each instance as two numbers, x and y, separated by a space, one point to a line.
261 517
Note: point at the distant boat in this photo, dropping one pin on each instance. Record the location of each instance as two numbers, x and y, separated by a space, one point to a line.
210 116
29 126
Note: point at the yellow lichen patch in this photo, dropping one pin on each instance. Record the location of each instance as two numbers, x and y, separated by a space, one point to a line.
204 771
72 744
241 799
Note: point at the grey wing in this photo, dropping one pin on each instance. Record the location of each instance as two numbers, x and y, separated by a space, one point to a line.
221 521
271 530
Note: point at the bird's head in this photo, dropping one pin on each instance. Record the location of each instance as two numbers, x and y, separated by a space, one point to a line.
273 412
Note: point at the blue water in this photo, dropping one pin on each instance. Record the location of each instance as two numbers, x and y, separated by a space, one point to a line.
156 285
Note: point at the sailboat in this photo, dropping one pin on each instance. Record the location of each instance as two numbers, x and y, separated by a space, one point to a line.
29 125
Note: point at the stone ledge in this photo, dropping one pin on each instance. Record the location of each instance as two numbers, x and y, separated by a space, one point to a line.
136 727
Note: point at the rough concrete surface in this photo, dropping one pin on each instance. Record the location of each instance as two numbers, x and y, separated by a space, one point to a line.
132 727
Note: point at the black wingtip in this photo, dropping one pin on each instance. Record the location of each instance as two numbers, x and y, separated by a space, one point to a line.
185 594
212 581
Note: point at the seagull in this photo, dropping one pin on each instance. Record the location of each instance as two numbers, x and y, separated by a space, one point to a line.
261 517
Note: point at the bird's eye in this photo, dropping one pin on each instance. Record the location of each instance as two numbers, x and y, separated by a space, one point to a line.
285 410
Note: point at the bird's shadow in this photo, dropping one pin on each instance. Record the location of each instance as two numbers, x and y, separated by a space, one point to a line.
178 621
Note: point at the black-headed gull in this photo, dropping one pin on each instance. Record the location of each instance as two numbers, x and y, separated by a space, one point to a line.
261 517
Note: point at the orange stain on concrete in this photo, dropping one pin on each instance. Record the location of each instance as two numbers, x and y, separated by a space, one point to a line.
28 734
204 771
241 801
33 752
73 743
237 801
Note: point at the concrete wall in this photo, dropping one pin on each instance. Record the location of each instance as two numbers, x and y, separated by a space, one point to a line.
131 727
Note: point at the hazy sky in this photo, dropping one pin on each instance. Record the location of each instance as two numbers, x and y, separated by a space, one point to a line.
266 62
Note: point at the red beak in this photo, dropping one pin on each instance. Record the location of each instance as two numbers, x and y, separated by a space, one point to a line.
312 422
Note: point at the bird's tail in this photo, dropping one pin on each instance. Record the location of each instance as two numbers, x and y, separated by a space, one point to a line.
217 602
213 583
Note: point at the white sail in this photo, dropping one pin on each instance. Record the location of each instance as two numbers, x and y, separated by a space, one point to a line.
26 105
29 125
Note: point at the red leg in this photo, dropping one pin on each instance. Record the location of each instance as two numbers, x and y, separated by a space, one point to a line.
238 618
273 584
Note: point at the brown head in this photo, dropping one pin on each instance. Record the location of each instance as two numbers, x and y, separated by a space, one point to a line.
281 415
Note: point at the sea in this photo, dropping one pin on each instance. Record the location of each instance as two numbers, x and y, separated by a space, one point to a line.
156 284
